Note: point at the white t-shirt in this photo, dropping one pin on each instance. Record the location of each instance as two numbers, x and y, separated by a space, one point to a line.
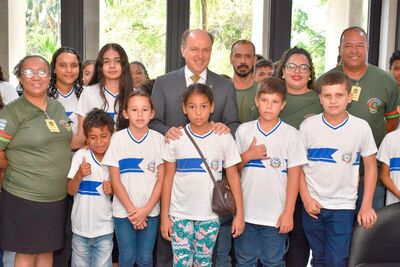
70 103
91 212
192 186
91 98
8 92
137 161
264 182
334 154
389 153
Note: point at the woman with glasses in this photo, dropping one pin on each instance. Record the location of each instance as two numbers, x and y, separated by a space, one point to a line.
35 137
296 69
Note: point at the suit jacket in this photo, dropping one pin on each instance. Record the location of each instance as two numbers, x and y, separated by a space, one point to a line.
166 97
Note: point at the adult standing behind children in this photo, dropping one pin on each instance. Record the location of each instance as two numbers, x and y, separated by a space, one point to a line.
196 47
374 94
35 149
297 70
243 58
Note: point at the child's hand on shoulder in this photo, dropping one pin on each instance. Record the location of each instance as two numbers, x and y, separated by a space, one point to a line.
237 226
84 168
285 222
220 128
107 188
312 207
256 151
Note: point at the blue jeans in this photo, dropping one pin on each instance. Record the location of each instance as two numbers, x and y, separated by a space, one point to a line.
260 242
136 245
92 252
221 257
1 258
329 237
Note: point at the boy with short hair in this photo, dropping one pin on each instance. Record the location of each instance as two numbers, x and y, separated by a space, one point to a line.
272 154
89 183
335 142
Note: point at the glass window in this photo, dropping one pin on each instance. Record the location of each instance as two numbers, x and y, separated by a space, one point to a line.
318 24
228 21
43 34
139 27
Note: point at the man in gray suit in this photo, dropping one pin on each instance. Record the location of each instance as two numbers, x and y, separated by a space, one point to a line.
196 48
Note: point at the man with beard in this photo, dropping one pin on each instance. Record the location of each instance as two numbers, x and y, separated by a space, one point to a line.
243 59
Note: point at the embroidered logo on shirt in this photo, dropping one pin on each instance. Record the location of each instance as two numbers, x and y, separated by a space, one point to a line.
151 166
66 124
346 157
275 162
374 104
3 124
214 164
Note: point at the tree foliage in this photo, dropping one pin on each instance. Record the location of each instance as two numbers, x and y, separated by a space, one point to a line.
43 27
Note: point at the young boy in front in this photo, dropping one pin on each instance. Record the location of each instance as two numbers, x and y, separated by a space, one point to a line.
89 183
272 154
335 142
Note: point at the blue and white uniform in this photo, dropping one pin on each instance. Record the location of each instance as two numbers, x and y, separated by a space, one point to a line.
334 154
91 98
389 153
264 182
137 161
91 212
192 186
70 103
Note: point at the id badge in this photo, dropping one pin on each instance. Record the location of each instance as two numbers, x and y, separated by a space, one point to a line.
355 91
51 124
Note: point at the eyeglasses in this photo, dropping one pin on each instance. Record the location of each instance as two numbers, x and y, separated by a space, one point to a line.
303 68
29 73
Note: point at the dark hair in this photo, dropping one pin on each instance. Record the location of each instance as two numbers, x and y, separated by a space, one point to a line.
395 56
197 88
2 79
334 78
258 57
88 62
52 91
97 118
353 28
285 57
125 81
18 68
243 41
262 63
272 85
186 34
148 86
146 74
123 123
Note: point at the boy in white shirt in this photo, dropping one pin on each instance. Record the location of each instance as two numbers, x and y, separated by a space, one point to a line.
92 223
335 142
272 154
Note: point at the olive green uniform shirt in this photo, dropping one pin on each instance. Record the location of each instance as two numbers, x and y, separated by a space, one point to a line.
38 159
246 103
378 96
299 107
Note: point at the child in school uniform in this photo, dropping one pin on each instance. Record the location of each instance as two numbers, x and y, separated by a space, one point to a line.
187 219
136 171
89 183
272 153
335 142
389 155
